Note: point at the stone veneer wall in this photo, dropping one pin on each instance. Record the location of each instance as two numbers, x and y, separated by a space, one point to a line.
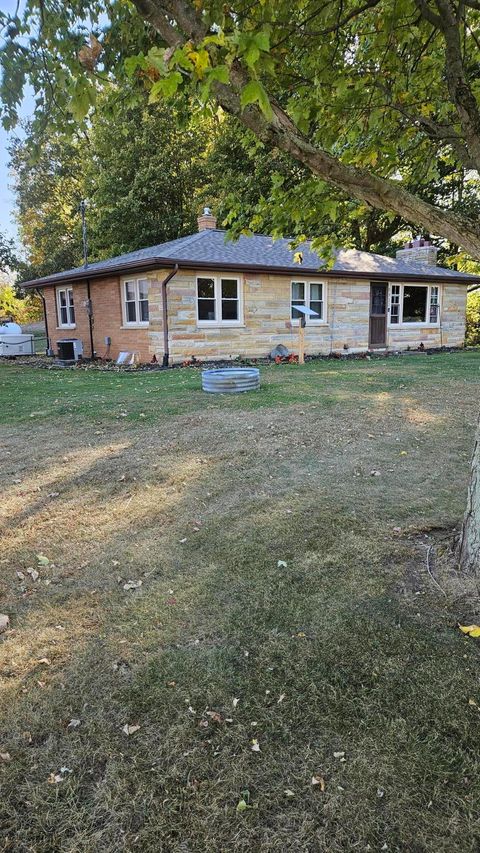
266 311
450 333
266 314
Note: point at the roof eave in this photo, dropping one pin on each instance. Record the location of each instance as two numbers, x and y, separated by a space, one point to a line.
155 263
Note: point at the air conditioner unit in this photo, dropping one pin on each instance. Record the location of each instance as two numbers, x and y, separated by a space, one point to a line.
70 349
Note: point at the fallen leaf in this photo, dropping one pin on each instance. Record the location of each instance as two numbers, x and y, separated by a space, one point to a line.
281 698
473 703
289 793
33 574
255 745
53 495
4 622
242 806
132 584
20 576
375 474
74 724
56 778
130 730
471 630
5 756
320 781
46 661
235 702
338 754
215 716
42 560
281 564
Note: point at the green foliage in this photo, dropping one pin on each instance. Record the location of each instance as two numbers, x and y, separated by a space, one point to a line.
254 93
367 87
141 172
472 332
145 170
7 254
26 309
49 181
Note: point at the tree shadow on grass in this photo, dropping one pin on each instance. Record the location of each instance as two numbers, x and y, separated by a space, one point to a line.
322 655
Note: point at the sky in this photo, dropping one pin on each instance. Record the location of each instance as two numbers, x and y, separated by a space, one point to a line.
7 225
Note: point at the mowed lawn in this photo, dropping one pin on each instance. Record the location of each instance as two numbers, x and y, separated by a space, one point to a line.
282 548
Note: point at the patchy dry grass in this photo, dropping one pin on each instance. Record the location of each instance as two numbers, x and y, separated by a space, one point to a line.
349 648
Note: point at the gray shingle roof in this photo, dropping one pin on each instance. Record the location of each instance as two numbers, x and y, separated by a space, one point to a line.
210 247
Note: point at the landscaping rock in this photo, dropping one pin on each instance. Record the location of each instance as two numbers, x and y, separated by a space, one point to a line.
279 351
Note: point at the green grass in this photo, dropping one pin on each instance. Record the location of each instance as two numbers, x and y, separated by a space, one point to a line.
348 648
107 395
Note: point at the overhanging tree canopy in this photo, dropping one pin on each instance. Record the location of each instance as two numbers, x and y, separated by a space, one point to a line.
368 96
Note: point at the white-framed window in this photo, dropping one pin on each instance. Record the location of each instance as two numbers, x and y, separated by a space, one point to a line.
219 301
310 294
414 304
65 307
135 301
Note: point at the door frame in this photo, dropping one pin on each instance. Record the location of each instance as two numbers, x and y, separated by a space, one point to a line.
382 345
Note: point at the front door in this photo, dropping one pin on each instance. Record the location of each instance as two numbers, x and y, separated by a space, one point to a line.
378 316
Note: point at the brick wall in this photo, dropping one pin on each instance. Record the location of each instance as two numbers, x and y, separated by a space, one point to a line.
107 320
55 331
266 314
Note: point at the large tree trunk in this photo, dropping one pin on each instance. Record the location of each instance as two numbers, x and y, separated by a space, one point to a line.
469 546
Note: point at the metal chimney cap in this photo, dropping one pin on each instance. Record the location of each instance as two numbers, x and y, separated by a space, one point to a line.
207 211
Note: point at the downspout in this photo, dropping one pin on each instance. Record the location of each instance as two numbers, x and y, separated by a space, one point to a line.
166 354
45 319
90 319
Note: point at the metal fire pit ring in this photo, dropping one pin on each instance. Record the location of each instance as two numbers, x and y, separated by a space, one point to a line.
231 380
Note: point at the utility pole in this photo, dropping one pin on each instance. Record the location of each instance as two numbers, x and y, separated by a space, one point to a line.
83 208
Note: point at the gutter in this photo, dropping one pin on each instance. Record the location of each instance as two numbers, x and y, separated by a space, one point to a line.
45 319
155 263
166 354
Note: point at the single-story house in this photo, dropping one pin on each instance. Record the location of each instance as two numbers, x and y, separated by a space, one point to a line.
206 297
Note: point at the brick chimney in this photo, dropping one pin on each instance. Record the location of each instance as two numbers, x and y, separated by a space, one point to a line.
206 220
418 251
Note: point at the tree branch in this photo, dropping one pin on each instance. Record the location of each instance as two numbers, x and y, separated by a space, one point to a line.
369 4
459 89
280 131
